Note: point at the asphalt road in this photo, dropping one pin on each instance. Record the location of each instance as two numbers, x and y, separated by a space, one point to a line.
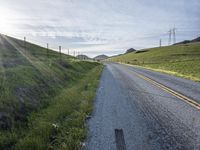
151 118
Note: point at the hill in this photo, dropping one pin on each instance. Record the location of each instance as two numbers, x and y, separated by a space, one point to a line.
196 40
130 50
83 57
189 41
39 92
181 60
100 57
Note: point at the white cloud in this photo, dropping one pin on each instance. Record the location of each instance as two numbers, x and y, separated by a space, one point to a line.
95 25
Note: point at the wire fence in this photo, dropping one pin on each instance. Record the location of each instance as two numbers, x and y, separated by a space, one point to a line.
160 39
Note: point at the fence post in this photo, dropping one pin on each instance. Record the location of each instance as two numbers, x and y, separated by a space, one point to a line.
47 50
60 53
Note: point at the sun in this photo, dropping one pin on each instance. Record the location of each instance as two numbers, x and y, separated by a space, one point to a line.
6 21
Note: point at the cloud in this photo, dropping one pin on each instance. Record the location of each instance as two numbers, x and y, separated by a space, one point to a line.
98 25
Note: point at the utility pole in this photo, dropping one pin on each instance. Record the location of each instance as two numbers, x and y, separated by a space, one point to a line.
160 42
47 50
68 51
74 54
60 53
170 36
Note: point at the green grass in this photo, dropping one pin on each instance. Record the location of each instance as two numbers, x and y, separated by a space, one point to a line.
180 60
61 125
40 92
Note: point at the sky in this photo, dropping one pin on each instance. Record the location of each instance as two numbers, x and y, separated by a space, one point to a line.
94 27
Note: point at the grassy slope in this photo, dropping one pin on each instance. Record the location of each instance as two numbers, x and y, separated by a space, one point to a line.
180 60
42 96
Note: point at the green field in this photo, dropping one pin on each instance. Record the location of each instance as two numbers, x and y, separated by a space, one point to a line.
44 99
180 60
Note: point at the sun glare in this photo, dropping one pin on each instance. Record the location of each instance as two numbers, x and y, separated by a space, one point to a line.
6 21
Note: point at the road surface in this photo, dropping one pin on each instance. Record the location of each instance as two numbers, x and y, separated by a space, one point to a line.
151 117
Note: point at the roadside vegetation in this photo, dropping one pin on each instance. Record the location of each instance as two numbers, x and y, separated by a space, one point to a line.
44 98
181 60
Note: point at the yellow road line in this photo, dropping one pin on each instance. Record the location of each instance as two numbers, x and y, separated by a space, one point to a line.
172 92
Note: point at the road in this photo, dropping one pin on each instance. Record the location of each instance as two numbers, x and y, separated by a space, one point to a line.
150 116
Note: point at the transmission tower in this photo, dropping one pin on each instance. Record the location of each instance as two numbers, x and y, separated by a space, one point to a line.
160 42
174 35
170 36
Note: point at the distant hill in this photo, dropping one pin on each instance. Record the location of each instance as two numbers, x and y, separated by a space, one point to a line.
83 57
188 41
130 50
100 57
196 40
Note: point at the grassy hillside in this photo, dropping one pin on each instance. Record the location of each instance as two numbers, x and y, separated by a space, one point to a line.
44 100
180 60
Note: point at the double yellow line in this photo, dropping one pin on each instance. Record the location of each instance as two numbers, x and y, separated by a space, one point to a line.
172 92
